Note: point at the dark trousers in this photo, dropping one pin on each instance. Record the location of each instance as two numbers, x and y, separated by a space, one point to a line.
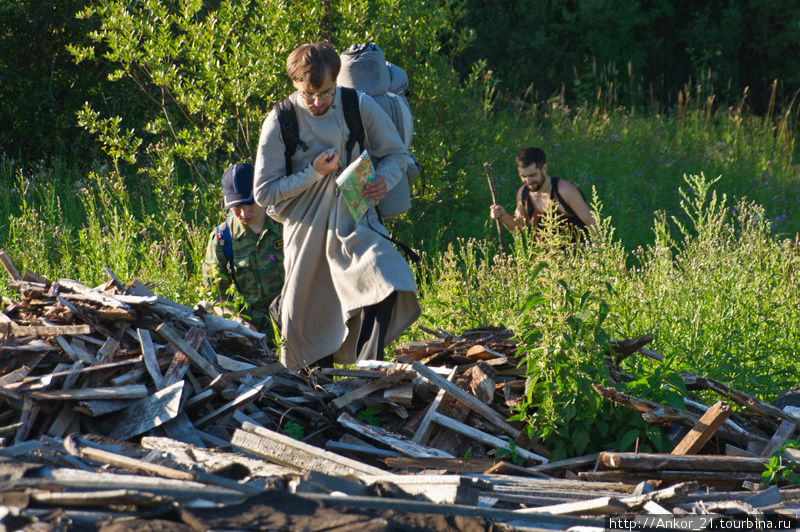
374 324
372 337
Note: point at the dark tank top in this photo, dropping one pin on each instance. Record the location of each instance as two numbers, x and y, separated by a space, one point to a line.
532 213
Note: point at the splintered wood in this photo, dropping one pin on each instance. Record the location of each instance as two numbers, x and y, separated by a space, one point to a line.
93 379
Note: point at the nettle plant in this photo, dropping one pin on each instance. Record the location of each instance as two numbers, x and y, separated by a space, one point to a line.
564 343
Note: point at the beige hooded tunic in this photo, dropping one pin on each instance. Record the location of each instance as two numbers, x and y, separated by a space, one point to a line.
334 266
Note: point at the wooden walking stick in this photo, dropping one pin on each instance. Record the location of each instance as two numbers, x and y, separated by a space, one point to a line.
488 168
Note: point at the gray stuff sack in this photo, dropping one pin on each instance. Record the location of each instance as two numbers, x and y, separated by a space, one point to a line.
364 67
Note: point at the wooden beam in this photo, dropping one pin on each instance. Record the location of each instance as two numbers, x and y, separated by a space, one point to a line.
148 413
50 330
783 433
240 401
394 441
133 391
179 366
657 461
181 345
470 400
149 356
424 429
281 449
373 386
488 439
704 429
9 266
597 506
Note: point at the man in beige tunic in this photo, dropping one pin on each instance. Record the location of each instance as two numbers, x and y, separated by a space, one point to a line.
348 291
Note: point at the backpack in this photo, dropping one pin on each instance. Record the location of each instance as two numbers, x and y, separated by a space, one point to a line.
364 67
224 236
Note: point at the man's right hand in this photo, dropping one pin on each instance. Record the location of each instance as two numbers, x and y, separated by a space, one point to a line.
325 163
496 212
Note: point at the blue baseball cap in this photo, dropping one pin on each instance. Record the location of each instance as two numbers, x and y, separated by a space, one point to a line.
237 185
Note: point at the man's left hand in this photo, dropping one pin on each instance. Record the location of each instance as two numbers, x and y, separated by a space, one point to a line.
375 190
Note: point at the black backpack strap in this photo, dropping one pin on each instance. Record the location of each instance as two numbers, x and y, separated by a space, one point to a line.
224 236
408 253
352 117
577 219
290 131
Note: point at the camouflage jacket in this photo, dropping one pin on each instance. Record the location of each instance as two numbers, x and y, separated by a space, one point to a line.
257 269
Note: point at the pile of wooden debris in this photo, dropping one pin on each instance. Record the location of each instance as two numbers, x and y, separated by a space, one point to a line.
119 407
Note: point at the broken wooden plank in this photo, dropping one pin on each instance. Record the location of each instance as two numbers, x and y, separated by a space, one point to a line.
488 439
9 266
50 330
181 345
30 410
379 384
92 294
479 352
450 465
240 401
181 428
743 399
424 429
62 421
82 370
482 383
403 393
364 450
394 441
567 463
106 352
147 413
657 461
656 413
470 400
179 366
783 433
598 506
284 450
134 465
704 429
131 391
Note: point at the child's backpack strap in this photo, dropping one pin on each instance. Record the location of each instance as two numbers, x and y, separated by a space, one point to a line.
224 236
352 117
290 131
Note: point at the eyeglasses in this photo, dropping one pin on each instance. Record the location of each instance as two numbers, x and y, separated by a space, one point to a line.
310 96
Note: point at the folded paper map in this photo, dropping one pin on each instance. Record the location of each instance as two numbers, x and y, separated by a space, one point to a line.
351 184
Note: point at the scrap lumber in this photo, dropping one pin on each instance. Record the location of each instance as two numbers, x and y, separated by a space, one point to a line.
470 400
394 441
380 384
450 465
135 465
12 271
149 356
704 429
659 461
169 334
784 432
148 413
488 439
656 413
423 431
240 401
284 450
402 393
133 391
599 506
741 398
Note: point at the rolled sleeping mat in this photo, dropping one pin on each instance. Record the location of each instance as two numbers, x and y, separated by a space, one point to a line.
364 68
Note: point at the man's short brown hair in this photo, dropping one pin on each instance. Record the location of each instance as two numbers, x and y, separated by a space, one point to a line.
313 63
529 156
